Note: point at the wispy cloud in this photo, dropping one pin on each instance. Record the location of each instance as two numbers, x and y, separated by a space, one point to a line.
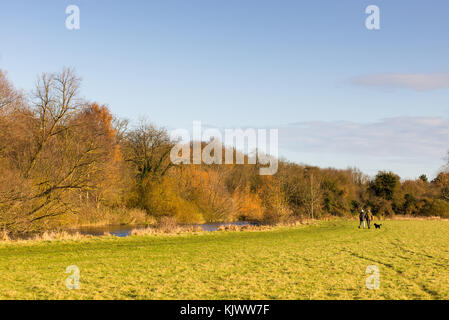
403 138
417 81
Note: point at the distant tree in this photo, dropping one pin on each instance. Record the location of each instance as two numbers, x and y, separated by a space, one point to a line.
436 207
414 192
442 183
358 177
148 148
313 194
423 178
147 151
9 97
385 185
381 207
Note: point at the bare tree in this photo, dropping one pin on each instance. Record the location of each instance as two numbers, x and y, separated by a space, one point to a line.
313 194
148 149
8 95
55 101
358 177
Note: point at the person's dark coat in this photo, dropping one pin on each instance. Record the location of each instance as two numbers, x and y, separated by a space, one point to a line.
362 216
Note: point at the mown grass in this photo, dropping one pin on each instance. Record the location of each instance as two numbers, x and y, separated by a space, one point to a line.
324 261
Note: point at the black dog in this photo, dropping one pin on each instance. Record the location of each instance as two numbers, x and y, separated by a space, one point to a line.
377 225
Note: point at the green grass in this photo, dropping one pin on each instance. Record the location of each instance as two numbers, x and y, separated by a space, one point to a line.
324 261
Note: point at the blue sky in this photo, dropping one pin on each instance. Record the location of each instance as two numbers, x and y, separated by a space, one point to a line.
340 94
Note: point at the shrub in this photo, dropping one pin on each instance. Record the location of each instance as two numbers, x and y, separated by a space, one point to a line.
436 207
167 224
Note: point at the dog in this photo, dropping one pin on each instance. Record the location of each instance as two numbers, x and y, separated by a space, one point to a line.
377 225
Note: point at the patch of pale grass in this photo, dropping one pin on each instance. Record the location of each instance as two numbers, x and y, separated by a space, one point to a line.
46 236
168 231
4 236
244 228
58 235
419 218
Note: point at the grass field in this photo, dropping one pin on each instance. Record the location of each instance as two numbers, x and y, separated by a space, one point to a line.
324 261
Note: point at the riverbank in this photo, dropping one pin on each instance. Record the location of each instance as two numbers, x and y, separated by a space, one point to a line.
171 227
126 231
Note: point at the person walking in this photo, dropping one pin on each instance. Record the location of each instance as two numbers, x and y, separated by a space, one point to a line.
362 219
369 218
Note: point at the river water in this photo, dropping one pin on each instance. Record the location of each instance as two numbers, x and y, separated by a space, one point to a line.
125 230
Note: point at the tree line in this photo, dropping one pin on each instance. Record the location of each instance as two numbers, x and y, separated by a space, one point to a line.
65 161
